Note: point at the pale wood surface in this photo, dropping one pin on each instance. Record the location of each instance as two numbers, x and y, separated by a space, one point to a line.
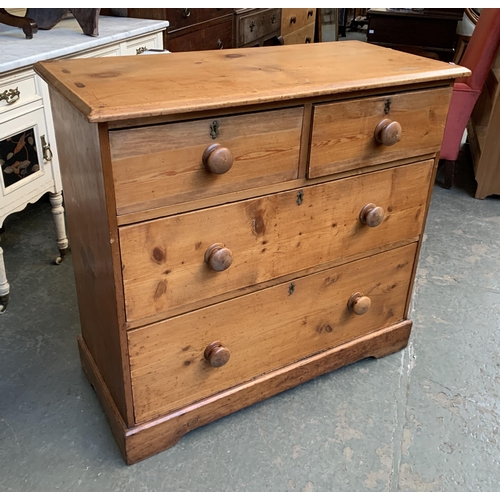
343 132
302 17
263 331
162 164
300 35
94 246
163 260
120 88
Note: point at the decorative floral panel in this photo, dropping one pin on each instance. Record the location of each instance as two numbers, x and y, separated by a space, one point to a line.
18 157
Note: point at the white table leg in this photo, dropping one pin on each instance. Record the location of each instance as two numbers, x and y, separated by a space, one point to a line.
56 200
4 285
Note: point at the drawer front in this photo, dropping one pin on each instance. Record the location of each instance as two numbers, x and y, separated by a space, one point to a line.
253 26
139 45
164 264
163 164
211 35
295 19
17 90
302 35
264 331
109 51
181 18
343 136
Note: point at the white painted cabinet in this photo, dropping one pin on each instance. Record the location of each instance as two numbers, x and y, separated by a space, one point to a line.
28 151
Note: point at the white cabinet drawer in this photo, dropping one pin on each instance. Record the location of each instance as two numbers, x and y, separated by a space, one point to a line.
109 51
17 90
138 45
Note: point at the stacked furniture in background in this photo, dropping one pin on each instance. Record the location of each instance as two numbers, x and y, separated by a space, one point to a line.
297 25
428 32
225 28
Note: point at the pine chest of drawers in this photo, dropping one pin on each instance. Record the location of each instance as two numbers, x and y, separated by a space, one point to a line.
241 221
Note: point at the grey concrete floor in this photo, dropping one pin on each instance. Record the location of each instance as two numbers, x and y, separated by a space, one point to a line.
423 419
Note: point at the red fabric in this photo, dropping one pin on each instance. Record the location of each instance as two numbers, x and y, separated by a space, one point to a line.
461 106
478 57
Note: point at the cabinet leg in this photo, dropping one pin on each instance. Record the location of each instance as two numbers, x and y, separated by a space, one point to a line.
449 173
4 285
56 200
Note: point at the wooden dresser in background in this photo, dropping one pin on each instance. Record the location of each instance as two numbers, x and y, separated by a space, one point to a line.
484 131
254 226
215 28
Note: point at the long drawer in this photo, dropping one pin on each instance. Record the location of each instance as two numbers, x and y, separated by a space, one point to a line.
361 132
256 333
183 259
163 164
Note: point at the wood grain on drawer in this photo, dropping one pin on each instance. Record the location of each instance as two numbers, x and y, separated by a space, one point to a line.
162 164
294 19
269 237
263 331
302 35
343 132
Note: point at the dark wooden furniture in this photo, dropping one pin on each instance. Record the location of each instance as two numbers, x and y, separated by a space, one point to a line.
192 29
27 24
216 28
429 32
251 228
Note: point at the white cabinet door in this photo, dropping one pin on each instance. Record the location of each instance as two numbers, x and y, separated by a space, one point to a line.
26 161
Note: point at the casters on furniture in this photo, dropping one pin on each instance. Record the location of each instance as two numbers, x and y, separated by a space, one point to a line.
4 285
62 253
56 200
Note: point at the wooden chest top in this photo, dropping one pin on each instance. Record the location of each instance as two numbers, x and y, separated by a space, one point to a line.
122 88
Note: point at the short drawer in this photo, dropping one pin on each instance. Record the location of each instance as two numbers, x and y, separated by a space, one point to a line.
295 19
264 331
346 134
139 45
171 263
182 18
163 164
17 90
210 35
255 25
112 50
302 35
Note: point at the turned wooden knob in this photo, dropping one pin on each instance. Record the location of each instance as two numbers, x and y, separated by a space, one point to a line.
388 132
359 303
217 355
293 20
217 159
218 257
371 215
310 12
